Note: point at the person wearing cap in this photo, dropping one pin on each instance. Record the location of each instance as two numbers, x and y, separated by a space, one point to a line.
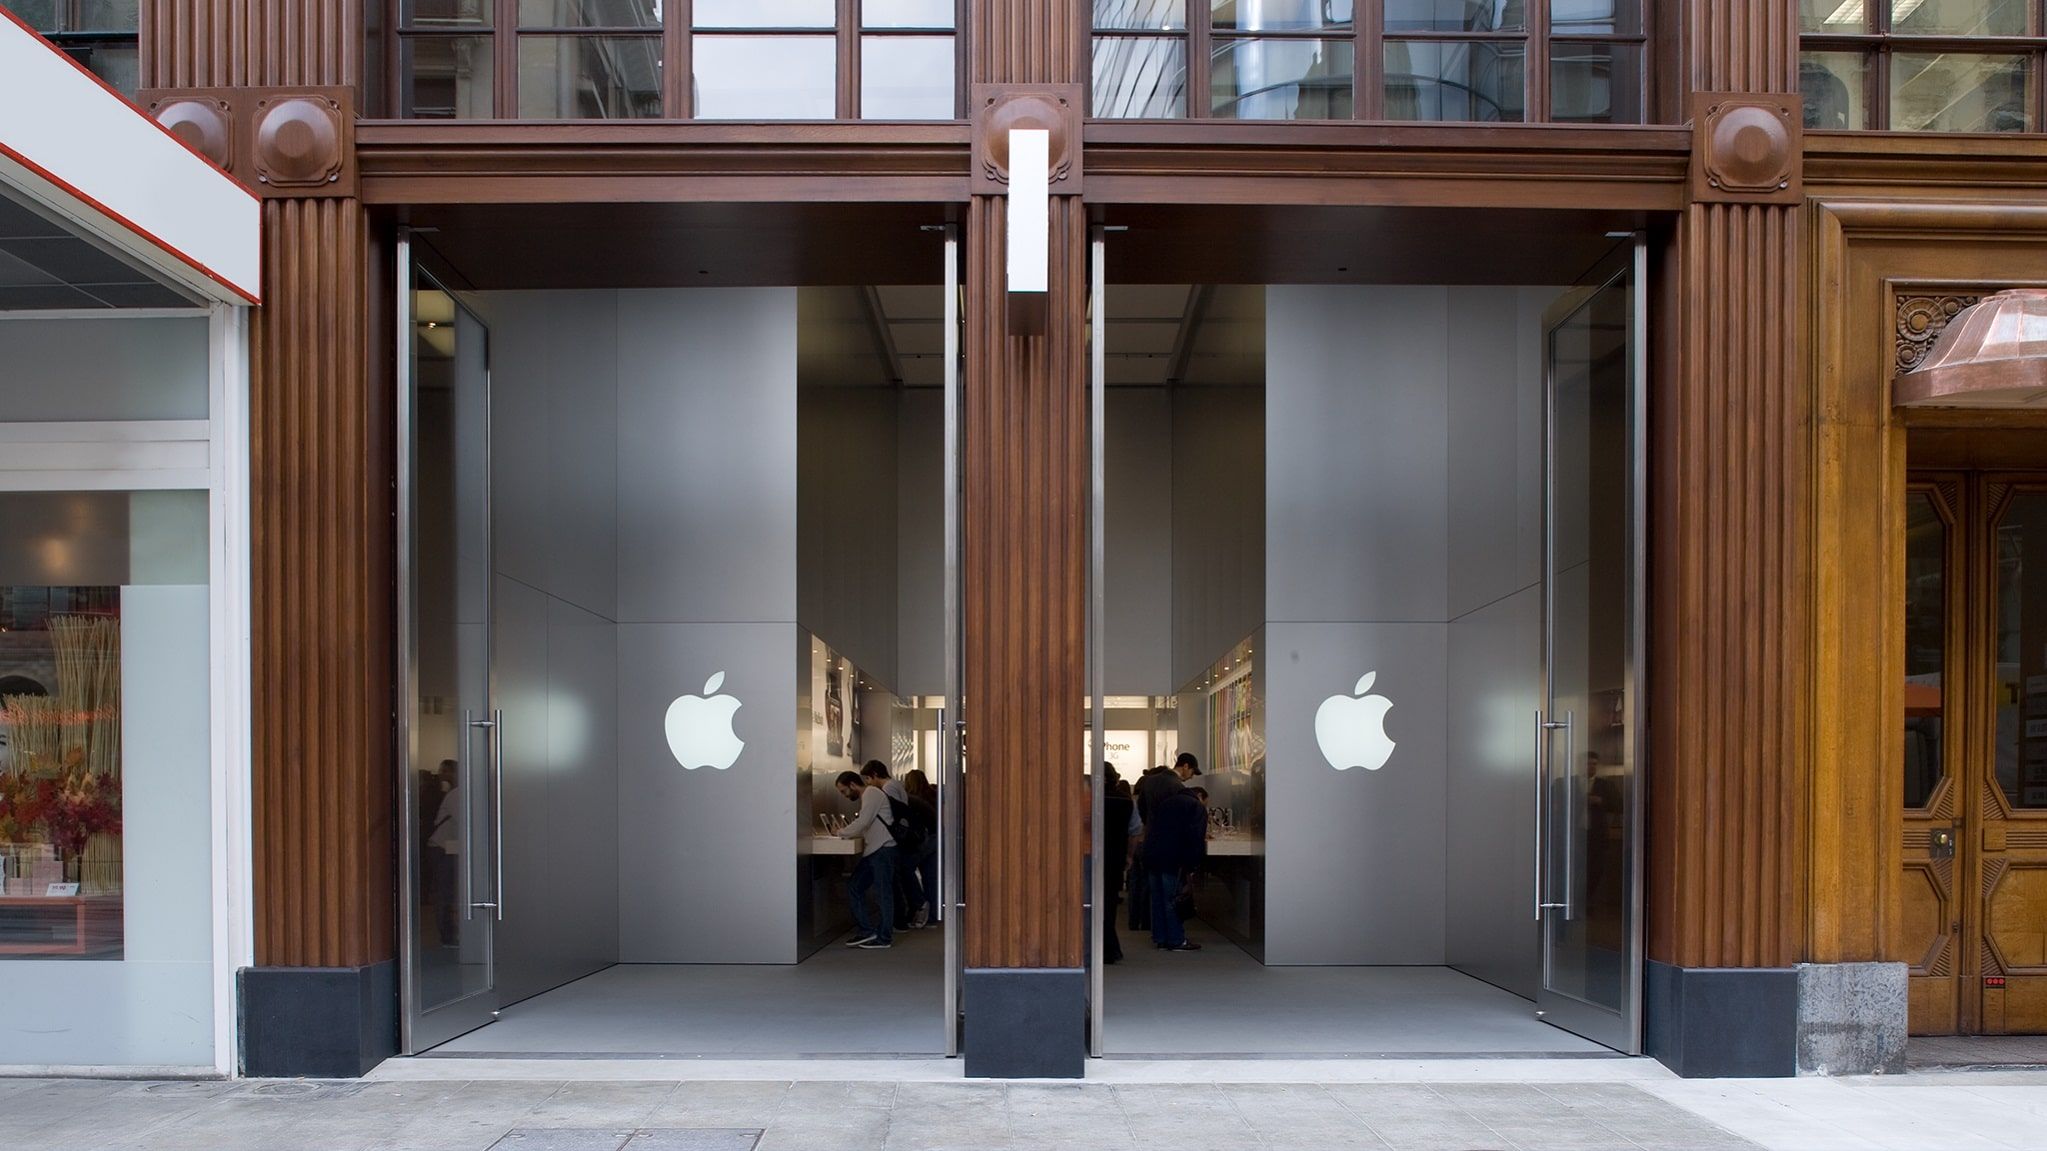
1159 784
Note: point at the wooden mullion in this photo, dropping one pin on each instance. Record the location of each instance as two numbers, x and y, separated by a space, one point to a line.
1200 55
676 85
1368 60
848 42
394 57
1880 84
505 58
1536 92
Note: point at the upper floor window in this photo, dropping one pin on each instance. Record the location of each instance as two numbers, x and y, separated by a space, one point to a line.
1923 65
622 59
1572 61
100 34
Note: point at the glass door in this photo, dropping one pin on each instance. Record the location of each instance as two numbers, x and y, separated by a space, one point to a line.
951 763
1589 734
451 754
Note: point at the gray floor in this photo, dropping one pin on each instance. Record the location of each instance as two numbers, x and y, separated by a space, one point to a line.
838 1002
1219 1001
543 1115
1941 1051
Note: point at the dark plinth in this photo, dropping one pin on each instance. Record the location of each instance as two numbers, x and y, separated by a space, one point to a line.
317 1022
1025 1022
1722 1022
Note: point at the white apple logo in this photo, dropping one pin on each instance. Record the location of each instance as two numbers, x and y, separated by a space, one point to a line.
700 729
1351 729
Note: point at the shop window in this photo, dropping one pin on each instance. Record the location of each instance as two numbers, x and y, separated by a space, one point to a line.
100 34
1573 61
642 59
104 716
1923 65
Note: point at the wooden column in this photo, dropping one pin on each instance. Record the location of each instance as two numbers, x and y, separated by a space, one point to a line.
1731 611
1024 513
267 89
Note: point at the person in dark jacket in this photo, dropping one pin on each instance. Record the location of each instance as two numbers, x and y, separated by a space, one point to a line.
1119 818
1175 844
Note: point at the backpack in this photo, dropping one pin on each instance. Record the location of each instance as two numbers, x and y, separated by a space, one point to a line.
911 824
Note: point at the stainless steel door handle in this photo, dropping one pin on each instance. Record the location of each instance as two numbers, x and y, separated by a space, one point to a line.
1541 740
470 903
1570 806
497 803
462 813
1542 729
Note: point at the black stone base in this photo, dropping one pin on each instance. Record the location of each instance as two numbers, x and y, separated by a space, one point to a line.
1025 1022
1721 1022
317 1022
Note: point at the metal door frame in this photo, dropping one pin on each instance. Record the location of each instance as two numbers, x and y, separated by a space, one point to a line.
952 833
1096 903
467 1012
1622 1029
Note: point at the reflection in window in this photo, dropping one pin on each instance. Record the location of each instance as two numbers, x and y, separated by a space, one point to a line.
1956 92
1925 646
446 77
1922 65
1480 80
589 77
1455 16
1595 82
1834 84
1139 77
100 34
765 77
1289 79
2021 687
906 78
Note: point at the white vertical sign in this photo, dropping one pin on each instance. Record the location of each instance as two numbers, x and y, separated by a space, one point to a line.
1030 189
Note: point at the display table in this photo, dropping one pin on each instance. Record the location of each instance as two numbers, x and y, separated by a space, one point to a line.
828 845
1236 845
88 917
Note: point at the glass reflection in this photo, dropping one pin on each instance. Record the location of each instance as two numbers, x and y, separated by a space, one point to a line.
1958 17
1837 16
1282 79
1595 17
1925 645
446 77
433 13
1956 92
1140 77
1474 80
906 78
906 13
1140 15
590 13
765 77
589 77
1834 87
1595 83
1455 15
2021 690
764 13
1281 15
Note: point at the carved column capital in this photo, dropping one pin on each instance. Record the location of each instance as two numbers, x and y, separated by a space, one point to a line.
1746 148
278 141
998 108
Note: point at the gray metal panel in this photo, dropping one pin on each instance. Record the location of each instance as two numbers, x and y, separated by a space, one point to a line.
707 858
707 455
1487 447
920 543
104 368
524 326
1220 523
1356 434
1354 858
1495 686
519 674
581 888
846 510
1138 566
582 459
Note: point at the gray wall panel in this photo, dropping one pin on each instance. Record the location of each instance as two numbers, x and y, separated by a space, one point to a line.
707 455
1138 526
920 543
582 440
524 327
104 369
1495 686
847 504
1354 859
1221 521
519 682
581 883
707 858
1356 432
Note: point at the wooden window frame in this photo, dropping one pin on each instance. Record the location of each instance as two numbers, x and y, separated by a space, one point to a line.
1878 43
1368 37
677 33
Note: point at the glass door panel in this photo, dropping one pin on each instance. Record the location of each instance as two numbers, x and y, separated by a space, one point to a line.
1588 886
450 741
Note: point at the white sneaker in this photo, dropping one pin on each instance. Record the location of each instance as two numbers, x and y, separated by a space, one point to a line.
859 939
872 944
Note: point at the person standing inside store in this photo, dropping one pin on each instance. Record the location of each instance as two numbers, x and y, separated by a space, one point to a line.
1120 830
876 871
924 798
915 827
1175 844
1160 783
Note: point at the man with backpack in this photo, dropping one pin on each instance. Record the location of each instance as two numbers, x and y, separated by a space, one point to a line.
876 870
914 823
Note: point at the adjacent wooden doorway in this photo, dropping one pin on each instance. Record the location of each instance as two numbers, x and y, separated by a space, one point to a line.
1974 752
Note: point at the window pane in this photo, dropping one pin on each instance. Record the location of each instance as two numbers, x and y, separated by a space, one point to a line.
1140 77
1471 80
41 15
1952 92
907 13
589 77
765 77
1925 645
446 77
589 13
1282 79
440 13
1281 15
765 13
1834 90
1837 16
118 64
2022 651
106 16
1142 15
1595 83
906 78
1595 17
1455 15
103 705
1959 17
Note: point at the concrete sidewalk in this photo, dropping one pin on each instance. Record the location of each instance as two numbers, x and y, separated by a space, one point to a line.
423 1105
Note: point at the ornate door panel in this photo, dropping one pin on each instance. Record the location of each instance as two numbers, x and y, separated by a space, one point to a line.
1928 932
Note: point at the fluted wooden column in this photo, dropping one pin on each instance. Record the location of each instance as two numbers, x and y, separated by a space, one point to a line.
321 578
1025 478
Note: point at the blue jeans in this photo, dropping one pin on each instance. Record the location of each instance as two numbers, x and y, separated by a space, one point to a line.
1166 928
875 873
927 880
